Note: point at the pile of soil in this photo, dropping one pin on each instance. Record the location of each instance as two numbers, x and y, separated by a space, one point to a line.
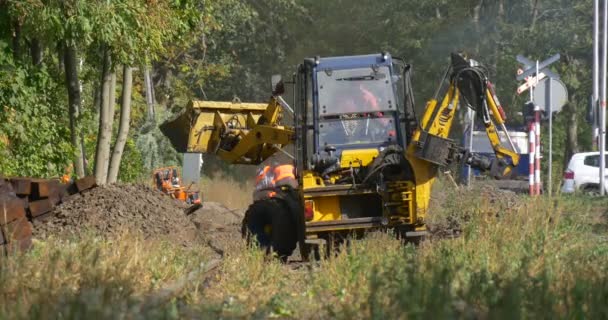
117 208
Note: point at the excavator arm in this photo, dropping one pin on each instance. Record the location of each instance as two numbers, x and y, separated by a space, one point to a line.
239 133
249 133
467 85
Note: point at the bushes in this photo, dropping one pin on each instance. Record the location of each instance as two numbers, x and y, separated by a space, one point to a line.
34 134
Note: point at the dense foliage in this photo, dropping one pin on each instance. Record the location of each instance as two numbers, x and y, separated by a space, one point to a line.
32 123
219 50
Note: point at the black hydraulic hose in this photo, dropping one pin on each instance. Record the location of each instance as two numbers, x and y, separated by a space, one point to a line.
480 76
373 172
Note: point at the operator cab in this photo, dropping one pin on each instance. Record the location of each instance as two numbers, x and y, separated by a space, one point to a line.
350 103
356 108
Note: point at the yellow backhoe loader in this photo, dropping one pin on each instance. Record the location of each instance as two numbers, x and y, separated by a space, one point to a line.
362 158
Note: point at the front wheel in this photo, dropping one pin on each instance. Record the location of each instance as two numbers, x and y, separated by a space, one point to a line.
272 226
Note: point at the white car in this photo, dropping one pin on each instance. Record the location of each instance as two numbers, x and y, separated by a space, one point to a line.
583 173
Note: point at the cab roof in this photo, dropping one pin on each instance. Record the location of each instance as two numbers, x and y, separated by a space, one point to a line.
348 62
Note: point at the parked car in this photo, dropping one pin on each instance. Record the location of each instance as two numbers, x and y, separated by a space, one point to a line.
583 173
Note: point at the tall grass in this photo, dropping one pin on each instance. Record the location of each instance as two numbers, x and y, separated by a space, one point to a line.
90 277
516 257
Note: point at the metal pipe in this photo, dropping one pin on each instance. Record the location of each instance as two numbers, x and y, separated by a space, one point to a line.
596 65
284 104
445 76
550 162
603 101
503 128
471 129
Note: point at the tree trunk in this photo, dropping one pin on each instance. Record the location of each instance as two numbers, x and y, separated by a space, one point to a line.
36 52
104 134
501 10
476 11
112 99
97 95
16 41
60 66
571 133
73 86
123 127
149 93
534 14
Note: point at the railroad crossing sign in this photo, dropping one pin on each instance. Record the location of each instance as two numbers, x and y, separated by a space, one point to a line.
557 95
542 67
530 70
530 81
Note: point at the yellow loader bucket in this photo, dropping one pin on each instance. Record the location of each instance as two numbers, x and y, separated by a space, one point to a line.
237 132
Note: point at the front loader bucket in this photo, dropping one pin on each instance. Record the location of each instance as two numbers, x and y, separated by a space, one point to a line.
191 130
178 130
237 132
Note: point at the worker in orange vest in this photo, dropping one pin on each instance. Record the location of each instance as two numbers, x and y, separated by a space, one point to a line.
271 177
264 183
67 174
284 175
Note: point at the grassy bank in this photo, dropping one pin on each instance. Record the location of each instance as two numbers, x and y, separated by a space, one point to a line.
515 258
91 277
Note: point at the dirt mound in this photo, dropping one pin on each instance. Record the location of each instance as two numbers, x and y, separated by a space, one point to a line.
115 208
218 226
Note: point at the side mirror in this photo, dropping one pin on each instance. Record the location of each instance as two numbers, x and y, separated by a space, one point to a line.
278 88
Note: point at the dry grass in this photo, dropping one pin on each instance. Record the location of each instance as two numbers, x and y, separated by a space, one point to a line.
516 258
90 277
227 191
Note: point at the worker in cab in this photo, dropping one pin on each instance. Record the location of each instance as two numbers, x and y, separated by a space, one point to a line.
370 101
360 118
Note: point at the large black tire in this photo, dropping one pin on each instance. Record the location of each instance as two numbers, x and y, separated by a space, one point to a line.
270 223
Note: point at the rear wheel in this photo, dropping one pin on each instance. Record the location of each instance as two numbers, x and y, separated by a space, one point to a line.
272 226
591 190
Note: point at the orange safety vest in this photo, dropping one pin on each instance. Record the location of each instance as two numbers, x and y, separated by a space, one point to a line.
283 172
270 177
284 175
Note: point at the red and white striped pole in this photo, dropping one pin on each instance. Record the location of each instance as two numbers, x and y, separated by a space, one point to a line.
537 153
537 181
531 160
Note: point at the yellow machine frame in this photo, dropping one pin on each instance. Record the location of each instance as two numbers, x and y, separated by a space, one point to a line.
249 133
